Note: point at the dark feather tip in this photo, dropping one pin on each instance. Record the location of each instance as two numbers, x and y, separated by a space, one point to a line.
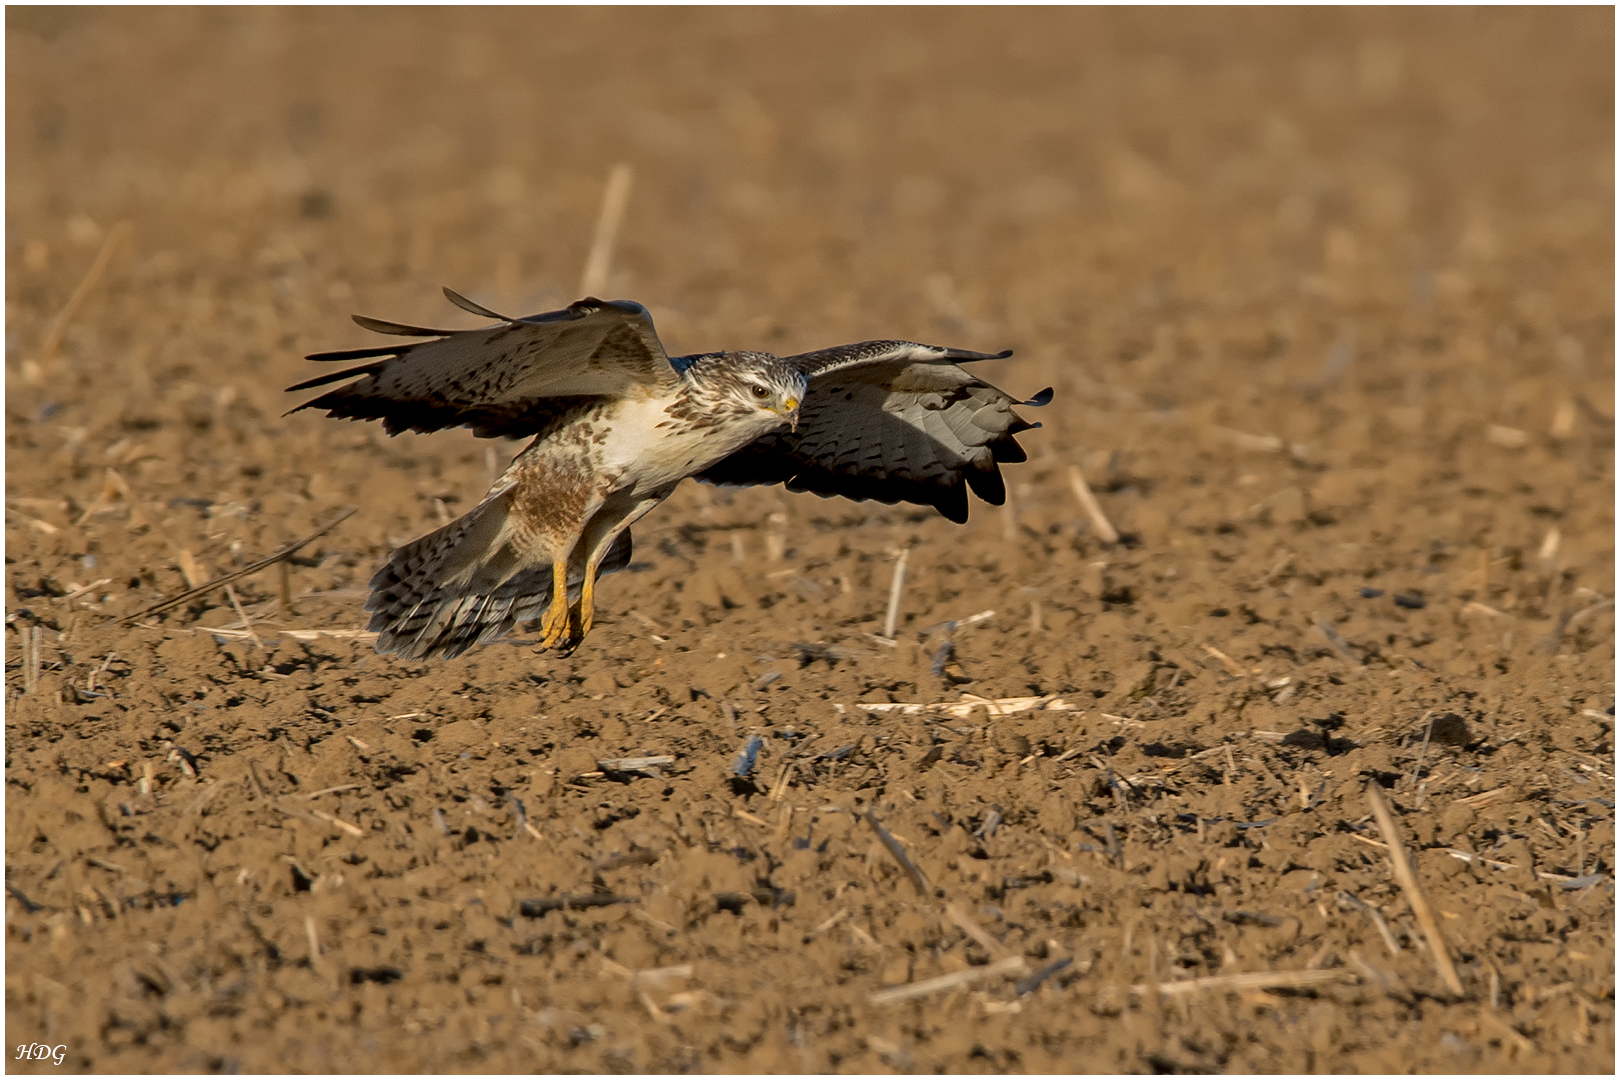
382 326
1042 398
357 354
332 377
469 306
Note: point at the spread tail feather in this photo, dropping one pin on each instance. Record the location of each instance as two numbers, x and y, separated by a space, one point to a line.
465 584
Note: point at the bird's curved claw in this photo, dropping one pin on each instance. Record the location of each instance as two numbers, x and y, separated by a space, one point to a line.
554 631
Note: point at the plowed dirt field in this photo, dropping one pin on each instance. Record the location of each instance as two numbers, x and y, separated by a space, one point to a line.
1327 300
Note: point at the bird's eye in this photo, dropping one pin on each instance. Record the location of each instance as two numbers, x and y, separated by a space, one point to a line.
760 392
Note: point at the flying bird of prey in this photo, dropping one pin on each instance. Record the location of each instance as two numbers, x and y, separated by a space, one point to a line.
616 424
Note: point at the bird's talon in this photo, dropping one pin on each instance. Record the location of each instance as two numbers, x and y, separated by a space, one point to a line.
553 631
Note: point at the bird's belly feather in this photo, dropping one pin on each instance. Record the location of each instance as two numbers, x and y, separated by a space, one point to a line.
631 447
651 450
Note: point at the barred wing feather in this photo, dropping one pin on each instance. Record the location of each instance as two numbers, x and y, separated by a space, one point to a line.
890 421
507 379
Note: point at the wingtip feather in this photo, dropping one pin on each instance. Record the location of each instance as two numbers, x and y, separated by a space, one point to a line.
383 326
337 355
963 356
332 377
987 482
470 306
953 503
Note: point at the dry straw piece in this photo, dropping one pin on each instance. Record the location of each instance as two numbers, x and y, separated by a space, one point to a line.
1265 444
1335 642
1251 980
1088 502
600 262
1012 965
1409 883
897 586
31 662
247 623
237 575
1232 667
919 880
295 633
976 932
1506 437
962 710
53 337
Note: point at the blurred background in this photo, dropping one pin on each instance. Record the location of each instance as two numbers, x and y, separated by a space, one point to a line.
1089 186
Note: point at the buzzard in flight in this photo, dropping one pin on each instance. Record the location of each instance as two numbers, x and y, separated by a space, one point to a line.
616 424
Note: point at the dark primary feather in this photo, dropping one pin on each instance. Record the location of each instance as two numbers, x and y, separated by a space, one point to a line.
479 309
892 421
346 373
382 326
510 379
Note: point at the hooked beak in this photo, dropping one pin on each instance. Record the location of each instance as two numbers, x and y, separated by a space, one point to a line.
790 409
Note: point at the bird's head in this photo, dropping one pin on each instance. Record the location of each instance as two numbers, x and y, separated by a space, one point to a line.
758 385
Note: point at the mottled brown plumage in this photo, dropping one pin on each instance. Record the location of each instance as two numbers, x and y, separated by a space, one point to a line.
616 425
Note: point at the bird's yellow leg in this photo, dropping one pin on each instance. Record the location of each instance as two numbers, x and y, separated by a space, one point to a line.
554 627
587 600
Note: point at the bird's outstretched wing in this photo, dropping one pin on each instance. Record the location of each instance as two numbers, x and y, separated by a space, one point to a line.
507 379
893 421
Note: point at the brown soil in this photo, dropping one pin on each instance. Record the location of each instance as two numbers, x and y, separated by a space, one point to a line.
1327 299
